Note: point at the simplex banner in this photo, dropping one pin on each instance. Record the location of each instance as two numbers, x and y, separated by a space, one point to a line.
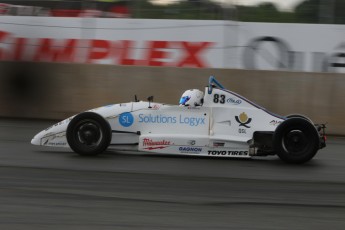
174 43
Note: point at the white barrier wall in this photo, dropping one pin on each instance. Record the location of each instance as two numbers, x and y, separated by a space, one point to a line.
174 43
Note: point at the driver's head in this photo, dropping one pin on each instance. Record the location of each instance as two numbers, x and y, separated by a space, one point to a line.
192 98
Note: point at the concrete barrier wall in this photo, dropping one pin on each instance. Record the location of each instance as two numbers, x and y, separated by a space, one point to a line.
56 91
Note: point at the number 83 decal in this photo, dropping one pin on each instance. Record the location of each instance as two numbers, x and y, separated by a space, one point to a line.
219 98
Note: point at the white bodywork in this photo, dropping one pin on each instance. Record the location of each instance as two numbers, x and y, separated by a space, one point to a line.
222 127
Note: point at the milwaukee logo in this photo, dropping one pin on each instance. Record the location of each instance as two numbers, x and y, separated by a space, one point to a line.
150 142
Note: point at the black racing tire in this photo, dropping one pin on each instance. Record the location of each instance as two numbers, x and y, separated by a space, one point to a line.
299 116
88 134
296 140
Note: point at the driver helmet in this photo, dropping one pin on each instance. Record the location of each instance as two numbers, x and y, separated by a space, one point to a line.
192 98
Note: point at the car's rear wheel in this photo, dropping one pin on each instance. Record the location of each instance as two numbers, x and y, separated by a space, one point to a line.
88 134
296 140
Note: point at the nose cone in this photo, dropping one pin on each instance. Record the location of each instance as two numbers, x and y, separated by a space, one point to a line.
53 136
37 138
35 141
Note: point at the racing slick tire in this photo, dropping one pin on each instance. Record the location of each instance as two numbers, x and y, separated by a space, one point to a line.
296 140
88 134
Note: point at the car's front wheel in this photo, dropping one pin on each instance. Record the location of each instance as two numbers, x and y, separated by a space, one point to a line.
88 134
296 140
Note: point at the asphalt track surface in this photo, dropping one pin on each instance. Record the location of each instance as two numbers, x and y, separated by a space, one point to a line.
52 188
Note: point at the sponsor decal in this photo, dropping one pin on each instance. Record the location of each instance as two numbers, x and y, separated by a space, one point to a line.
149 144
243 120
233 101
155 107
194 108
56 143
126 119
218 144
163 119
157 53
227 153
49 139
190 149
242 131
275 122
221 98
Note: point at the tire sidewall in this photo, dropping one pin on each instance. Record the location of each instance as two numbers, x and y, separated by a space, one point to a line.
100 122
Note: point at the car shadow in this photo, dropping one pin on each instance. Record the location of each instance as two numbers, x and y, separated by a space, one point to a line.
110 154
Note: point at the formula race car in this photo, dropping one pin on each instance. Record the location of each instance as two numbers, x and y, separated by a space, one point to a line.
217 123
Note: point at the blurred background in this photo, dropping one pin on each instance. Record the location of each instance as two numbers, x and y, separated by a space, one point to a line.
290 11
60 57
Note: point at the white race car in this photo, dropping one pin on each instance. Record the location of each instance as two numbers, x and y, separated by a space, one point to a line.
219 123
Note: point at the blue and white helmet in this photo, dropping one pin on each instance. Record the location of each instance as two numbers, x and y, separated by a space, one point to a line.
192 98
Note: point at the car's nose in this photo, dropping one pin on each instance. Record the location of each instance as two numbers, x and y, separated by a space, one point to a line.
35 141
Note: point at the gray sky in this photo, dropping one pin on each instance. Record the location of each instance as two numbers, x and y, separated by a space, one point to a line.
281 4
